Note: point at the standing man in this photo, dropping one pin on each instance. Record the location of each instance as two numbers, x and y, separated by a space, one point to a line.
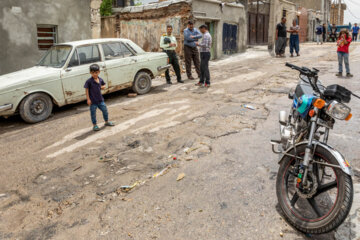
319 33
355 32
324 32
205 55
191 37
281 38
168 43
294 39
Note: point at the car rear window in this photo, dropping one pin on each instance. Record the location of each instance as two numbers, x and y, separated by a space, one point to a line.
88 54
116 50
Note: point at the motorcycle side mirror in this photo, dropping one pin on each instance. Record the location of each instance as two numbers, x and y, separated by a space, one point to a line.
291 95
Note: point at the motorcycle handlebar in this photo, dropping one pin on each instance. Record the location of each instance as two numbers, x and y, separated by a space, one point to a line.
303 70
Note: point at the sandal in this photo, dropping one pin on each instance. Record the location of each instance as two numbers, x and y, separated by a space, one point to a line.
110 124
96 128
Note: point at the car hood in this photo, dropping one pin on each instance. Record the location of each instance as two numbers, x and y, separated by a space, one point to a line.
154 54
28 75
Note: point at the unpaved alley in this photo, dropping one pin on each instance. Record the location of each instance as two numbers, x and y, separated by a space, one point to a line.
61 180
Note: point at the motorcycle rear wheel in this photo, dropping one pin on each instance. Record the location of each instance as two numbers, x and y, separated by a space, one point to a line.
317 214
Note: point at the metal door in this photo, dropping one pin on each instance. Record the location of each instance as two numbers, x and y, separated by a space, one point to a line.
252 29
230 38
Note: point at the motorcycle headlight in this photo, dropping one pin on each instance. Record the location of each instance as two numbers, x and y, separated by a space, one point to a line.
338 110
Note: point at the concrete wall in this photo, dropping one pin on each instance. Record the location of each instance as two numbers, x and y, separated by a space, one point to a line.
309 4
95 18
208 10
108 29
18 28
146 26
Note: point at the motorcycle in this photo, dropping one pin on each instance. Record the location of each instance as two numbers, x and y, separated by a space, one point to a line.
314 183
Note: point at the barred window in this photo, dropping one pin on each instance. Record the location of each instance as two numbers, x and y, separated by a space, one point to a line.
46 36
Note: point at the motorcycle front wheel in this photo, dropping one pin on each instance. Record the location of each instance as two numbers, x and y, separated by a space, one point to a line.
324 205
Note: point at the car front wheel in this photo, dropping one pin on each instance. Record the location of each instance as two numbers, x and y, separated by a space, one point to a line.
36 108
142 83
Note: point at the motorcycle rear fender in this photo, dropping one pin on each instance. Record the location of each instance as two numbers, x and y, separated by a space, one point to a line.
345 166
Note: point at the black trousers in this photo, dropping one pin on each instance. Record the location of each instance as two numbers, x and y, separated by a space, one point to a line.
173 60
204 67
191 54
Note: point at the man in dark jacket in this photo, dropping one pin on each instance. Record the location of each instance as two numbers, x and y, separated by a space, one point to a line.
191 37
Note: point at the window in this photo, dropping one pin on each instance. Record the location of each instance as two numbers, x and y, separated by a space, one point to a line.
116 50
46 36
56 56
284 13
88 54
74 61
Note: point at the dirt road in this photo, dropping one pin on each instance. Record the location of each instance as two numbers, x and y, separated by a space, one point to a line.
59 179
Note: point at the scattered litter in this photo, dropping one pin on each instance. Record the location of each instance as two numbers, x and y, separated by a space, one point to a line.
92 176
77 168
129 109
281 234
132 95
189 158
200 210
128 188
86 183
174 158
180 176
162 172
105 160
127 199
189 150
249 107
2 195
149 150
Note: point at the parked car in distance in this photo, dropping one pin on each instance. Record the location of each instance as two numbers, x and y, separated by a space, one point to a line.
60 75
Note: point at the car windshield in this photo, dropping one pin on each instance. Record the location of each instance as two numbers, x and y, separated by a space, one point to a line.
55 56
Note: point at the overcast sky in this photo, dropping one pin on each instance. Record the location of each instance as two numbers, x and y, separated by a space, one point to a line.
354 7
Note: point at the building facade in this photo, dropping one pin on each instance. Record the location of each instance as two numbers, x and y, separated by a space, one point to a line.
334 15
29 28
145 24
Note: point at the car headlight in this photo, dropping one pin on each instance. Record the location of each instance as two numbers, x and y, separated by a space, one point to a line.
339 111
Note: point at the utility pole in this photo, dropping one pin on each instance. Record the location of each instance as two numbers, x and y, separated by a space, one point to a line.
339 12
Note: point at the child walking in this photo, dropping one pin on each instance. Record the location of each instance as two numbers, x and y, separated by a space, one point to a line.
343 44
94 97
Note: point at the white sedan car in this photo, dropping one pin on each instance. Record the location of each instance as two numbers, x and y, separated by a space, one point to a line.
60 75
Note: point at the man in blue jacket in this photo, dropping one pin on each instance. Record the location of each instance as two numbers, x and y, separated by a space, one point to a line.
191 37
355 32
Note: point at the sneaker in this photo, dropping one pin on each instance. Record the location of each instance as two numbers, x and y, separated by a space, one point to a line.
207 85
109 124
349 75
298 55
191 78
292 55
96 128
180 81
339 74
199 84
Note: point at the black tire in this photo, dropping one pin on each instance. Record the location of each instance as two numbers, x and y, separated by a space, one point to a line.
332 218
142 83
36 108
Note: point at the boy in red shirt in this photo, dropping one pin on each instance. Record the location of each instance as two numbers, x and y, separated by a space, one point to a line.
343 44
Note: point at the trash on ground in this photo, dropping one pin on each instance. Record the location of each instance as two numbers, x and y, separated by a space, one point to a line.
132 95
189 150
281 234
74 169
127 188
189 158
249 107
174 158
129 108
162 172
180 176
2 195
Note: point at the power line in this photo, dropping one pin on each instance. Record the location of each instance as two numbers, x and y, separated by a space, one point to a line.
348 9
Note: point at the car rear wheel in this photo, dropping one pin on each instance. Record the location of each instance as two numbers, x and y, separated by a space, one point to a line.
36 108
142 83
